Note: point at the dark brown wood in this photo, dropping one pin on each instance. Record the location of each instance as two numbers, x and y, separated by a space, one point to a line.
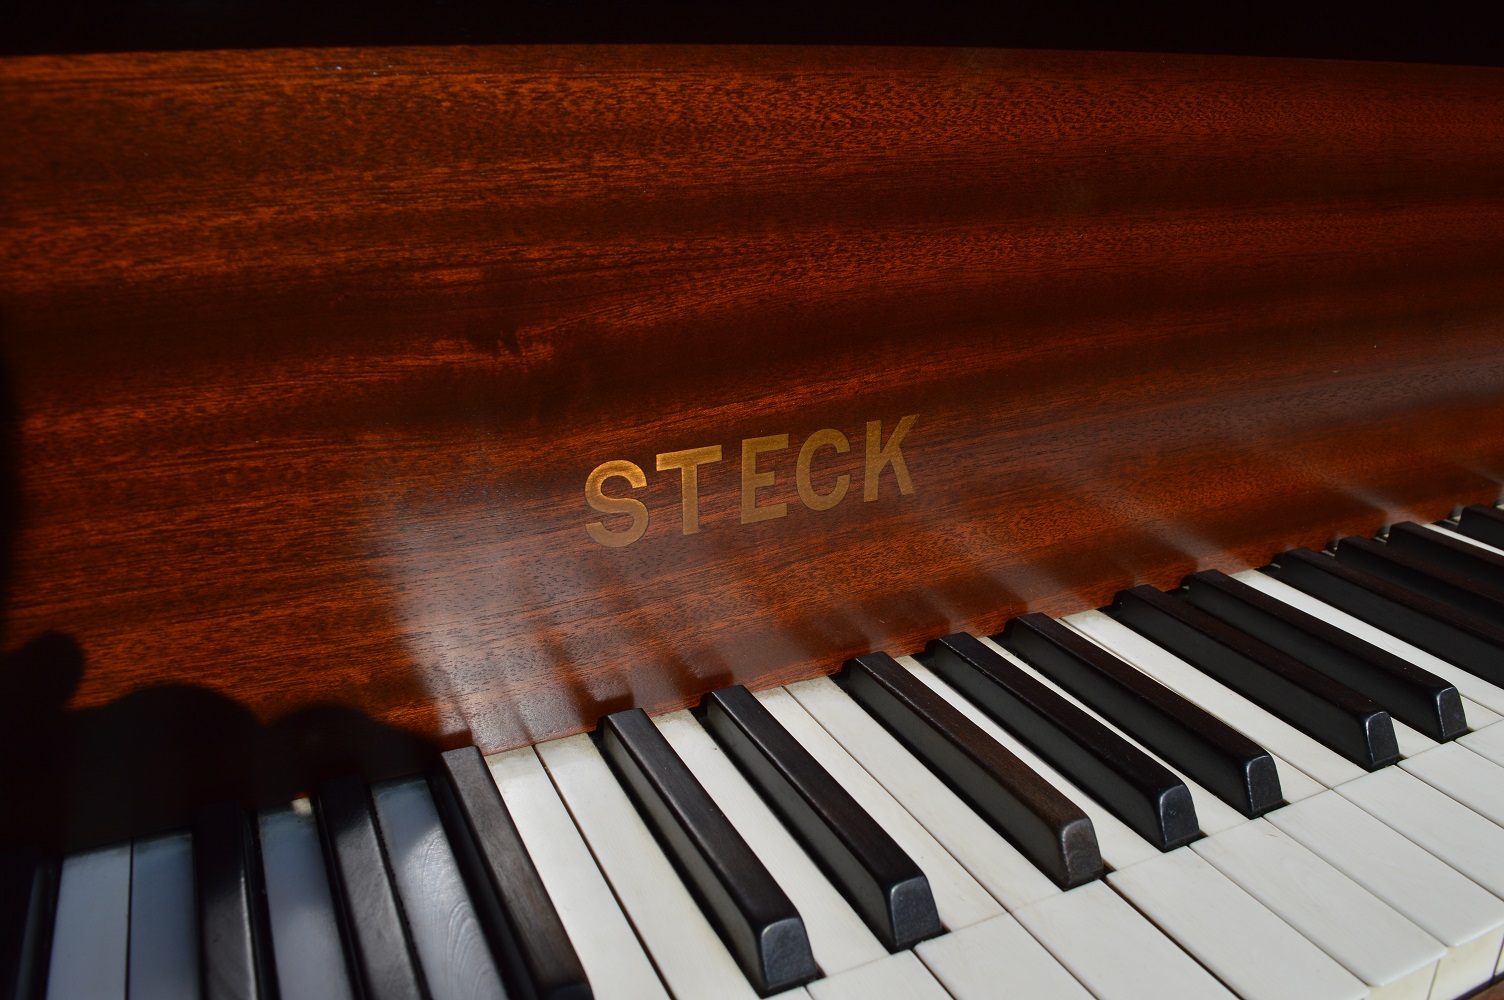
306 355
1493 991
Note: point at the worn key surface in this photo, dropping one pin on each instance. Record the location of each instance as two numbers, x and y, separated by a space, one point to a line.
234 938
377 946
446 934
1231 766
875 875
755 917
1138 789
1411 693
1347 722
520 921
1046 826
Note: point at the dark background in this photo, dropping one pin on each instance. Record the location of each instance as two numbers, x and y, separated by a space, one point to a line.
1407 32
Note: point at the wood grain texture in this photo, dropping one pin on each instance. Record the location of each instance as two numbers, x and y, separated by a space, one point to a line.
307 354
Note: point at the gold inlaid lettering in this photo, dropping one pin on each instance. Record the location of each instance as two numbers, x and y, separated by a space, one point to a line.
688 463
821 439
880 455
752 480
596 497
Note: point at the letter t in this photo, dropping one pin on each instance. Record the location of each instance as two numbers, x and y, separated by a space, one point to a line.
689 462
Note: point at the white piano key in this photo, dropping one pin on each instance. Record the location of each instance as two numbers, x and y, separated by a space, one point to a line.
959 898
1412 741
1486 742
1005 873
1212 813
971 962
1466 967
1471 779
1366 936
307 953
613 958
1450 907
1375 943
1258 955
1288 744
1345 920
1442 825
1478 717
1469 685
893 977
446 933
1446 529
1419 976
1229 915
1121 847
686 950
91 930
1113 951
163 924
837 936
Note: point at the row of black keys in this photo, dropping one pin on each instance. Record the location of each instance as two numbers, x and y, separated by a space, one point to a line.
1439 593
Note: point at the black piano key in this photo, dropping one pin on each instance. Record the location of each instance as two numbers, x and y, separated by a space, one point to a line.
1047 827
880 880
1444 549
754 916
1229 764
1486 524
1135 787
1474 645
1349 723
383 963
234 939
1412 694
526 935
28 899
1415 573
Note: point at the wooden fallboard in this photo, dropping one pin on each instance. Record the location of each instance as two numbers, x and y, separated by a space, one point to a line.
308 357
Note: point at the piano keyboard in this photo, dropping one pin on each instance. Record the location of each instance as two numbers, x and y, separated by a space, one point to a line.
1285 783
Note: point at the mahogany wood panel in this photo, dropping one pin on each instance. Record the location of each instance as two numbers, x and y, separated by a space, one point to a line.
307 355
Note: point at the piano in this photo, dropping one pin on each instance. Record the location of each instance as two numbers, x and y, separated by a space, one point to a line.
733 521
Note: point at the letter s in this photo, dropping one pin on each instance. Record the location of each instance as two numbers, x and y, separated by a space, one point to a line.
597 498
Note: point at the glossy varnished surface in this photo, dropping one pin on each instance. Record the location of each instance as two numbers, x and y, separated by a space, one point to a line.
307 355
